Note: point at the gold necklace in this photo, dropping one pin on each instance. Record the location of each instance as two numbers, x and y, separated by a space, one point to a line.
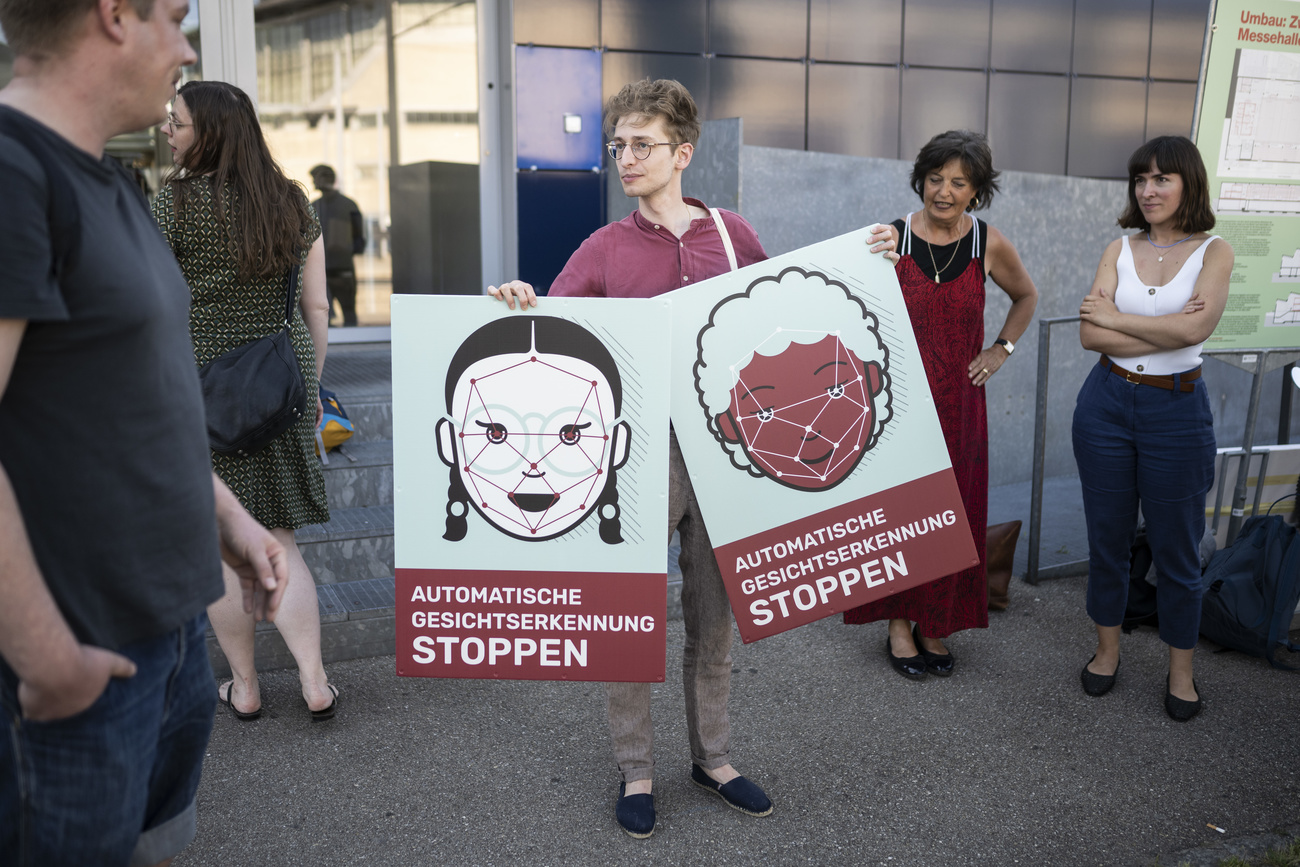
928 246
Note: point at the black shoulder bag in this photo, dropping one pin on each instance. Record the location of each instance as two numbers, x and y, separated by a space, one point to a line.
254 393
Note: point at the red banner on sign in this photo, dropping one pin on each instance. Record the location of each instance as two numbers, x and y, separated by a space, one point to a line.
846 556
531 625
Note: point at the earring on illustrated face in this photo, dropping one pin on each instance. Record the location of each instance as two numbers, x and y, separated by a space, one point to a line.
457 495
611 527
457 508
607 508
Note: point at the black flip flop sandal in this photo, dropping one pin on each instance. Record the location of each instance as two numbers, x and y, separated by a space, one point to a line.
238 714
327 712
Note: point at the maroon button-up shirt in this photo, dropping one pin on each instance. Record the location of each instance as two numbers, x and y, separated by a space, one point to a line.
635 258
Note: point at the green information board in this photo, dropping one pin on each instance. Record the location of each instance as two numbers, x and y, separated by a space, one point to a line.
1248 132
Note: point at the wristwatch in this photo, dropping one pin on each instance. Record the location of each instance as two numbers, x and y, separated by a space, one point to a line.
1005 344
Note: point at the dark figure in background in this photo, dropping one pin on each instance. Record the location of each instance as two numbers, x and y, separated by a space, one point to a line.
345 237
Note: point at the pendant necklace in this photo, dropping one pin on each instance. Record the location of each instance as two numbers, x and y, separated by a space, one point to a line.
1160 257
956 247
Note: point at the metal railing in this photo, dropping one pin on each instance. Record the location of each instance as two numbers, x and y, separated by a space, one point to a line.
1257 362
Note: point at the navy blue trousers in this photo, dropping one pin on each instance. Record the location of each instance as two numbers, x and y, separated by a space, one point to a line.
1141 444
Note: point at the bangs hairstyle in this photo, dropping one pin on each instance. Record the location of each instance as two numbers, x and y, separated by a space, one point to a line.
1172 155
34 27
263 213
972 149
663 98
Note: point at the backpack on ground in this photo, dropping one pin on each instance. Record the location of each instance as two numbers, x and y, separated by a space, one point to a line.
335 427
1140 609
1251 589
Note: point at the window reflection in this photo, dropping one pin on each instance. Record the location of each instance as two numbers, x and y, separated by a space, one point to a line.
6 60
328 95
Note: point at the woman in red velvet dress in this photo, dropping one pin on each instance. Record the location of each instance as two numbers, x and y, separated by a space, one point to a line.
946 254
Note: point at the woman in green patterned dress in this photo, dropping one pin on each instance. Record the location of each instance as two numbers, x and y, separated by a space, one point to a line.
237 225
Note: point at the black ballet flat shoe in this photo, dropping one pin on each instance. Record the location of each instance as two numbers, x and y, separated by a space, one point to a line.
938 664
910 667
740 794
1180 710
635 813
1097 684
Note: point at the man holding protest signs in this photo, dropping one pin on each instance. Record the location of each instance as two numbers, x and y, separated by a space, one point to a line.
667 243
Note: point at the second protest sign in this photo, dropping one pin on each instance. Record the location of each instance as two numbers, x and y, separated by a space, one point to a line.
802 409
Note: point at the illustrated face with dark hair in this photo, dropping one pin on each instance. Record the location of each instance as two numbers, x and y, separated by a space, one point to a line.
803 415
534 440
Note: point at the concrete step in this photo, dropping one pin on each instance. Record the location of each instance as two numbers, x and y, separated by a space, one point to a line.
372 418
361 376
359 474
356 544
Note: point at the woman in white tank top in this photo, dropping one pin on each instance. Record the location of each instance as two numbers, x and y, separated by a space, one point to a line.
1143 433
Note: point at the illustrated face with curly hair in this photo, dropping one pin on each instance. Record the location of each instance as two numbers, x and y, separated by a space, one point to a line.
793 378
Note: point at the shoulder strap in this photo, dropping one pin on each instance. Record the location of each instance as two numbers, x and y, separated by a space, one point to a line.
726 238
906 246
289 291
975 239
62 212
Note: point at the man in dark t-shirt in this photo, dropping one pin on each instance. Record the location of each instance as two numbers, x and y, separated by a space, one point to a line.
344 233
110 533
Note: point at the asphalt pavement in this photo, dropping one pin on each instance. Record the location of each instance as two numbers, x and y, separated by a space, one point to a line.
1007 762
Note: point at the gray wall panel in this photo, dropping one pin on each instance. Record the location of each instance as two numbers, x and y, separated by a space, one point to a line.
853 110
759 28
664 25
1107 123
880 72
1032 35
856 31
1111 37
1177 37
568 23
1027 121
936 100
768 94
619 68
946 33
1169 108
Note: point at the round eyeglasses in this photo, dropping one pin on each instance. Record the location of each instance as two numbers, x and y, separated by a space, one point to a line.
640 149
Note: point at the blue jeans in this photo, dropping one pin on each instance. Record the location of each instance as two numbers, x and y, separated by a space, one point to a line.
114 784
1139 443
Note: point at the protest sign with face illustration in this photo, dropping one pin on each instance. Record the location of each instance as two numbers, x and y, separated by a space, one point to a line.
811 436
530 467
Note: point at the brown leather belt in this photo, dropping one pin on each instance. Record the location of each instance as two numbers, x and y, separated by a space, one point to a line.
1186 381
